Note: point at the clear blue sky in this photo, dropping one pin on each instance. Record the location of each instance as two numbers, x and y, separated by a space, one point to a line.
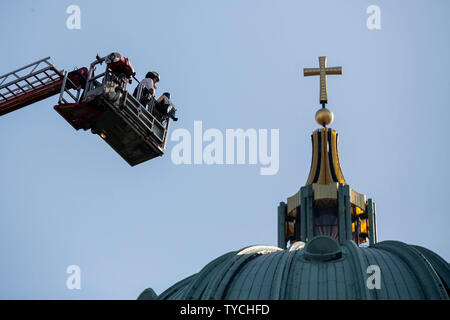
67 198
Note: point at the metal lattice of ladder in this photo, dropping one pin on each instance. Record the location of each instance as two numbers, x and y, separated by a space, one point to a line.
29 84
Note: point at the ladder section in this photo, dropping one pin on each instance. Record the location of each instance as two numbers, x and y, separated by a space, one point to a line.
66 87
31 83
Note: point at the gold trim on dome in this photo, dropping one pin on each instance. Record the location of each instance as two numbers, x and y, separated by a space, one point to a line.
358 199
324 193
325 166
328 191
293 201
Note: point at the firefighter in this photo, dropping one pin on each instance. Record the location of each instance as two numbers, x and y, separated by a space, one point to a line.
147 87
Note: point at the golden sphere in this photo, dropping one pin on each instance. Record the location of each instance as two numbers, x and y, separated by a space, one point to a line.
324 117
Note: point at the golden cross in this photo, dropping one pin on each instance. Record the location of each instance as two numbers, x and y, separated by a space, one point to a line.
323 71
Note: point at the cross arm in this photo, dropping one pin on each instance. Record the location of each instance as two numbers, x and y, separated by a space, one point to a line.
333 70
311 72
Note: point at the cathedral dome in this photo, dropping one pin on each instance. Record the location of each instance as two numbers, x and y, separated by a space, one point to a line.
328 246
266 272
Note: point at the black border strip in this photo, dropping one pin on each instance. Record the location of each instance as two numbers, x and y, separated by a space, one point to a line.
330 157
319 155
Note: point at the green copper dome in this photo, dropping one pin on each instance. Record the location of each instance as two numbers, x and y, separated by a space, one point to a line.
266 272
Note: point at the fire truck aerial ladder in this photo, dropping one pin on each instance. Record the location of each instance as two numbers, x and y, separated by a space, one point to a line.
99 102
